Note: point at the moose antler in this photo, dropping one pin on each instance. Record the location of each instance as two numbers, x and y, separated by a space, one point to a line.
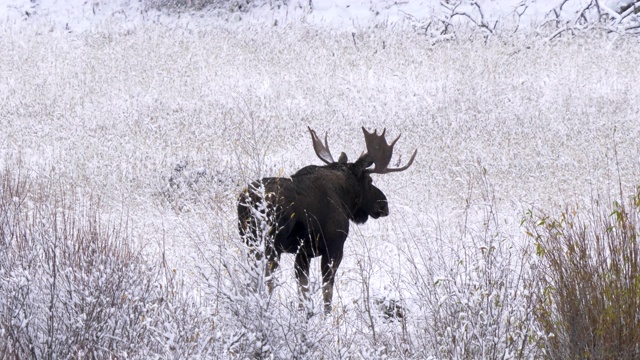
381 152
322 151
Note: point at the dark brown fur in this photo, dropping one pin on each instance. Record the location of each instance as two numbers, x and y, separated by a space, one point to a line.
310 214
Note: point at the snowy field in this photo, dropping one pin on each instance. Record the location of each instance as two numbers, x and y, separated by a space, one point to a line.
165 123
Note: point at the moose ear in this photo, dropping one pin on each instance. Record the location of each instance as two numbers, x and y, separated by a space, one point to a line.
343 158
363 163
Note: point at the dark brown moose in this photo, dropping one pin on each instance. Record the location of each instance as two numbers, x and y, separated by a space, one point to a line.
308 214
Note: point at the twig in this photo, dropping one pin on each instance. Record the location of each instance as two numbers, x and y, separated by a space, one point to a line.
448 6
581 13
632 9
556 33
632 27
479 23
611 12
519 12
558 9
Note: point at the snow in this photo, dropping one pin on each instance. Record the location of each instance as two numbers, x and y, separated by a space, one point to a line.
78 16
165 118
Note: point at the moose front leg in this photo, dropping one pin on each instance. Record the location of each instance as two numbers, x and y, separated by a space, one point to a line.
302 275
329 269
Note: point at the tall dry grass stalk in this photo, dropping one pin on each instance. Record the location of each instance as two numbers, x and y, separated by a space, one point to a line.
590 257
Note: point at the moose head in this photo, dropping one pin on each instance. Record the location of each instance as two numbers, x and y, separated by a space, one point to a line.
309 212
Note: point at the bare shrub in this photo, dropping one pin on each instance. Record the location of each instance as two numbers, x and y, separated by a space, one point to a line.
590 258
229 5
72 283
188 186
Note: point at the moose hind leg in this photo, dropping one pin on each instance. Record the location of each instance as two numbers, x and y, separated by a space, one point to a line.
329 269
302 275
271 265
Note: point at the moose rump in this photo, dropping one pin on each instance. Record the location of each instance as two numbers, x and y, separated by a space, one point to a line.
308 214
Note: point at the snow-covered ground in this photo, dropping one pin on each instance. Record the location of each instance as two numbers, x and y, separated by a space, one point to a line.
348 14
108 99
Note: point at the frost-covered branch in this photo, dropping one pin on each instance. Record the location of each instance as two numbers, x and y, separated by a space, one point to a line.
590 15
631 10
480 22
566 17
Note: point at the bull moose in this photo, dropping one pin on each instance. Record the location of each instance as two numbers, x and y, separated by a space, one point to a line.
308 214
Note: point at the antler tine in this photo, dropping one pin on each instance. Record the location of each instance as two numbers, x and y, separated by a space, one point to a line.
381 152
321 150
415 152
395 141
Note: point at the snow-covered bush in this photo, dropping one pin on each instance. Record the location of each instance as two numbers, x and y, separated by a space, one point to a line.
73 283
187 186
472 289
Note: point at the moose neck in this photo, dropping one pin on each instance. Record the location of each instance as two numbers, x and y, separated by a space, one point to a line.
335 180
